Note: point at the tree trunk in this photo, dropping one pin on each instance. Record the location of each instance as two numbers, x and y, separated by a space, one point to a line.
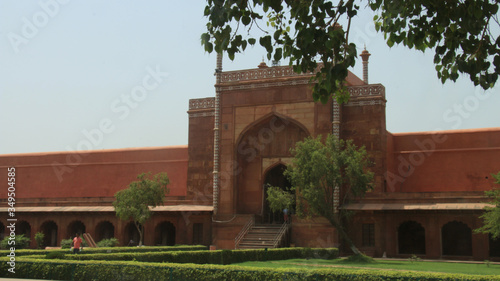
344 235
139 228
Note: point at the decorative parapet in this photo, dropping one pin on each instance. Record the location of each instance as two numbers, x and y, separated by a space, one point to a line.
247 86
260 73
371 94
201 107
369 90
204 103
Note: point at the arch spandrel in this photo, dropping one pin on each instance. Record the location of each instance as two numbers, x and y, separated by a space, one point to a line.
247 117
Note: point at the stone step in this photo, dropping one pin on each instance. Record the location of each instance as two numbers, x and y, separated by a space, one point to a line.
257 236
267 226
248 244
263 231
255 247
257 241
260 236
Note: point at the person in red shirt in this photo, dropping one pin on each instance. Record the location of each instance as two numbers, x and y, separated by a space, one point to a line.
77 242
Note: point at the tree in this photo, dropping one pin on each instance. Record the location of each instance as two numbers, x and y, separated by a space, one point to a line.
39 237
462 33
491 216
279 199
135 201
318 169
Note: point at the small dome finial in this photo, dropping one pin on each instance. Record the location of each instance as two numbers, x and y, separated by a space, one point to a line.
262 64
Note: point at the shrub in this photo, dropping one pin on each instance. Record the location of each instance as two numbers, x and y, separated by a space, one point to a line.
156 249
360 258
39 236
55 255
111 242
119 270
66 243
21 242
215 257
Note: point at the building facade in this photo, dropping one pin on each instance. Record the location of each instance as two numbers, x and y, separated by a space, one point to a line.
428 186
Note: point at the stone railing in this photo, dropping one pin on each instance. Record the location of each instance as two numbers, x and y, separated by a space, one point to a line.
243 232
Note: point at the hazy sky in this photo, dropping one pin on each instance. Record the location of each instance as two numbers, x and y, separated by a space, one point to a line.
113 74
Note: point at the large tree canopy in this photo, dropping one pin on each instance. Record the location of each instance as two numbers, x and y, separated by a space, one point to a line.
319 170
464 34
134 202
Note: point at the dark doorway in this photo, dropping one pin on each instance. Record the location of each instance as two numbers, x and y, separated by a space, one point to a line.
75 227
132 234
165 234
23 227
104 230
411 238
494 247
197 233
49 229
2 231
457 239
274 177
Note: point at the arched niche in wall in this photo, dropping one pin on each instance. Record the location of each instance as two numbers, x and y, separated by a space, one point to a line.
270 137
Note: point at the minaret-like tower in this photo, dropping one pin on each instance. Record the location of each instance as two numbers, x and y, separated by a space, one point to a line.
365 55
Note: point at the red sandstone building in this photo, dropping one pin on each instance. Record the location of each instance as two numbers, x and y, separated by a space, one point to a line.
428 186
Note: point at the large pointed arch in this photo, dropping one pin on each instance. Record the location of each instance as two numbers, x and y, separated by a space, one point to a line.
267 117
270 137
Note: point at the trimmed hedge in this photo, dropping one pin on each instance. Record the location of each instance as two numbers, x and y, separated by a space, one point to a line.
28 252
119 270
216 257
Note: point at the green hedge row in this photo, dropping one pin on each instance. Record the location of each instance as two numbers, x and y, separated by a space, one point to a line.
119 270
215 257
26 252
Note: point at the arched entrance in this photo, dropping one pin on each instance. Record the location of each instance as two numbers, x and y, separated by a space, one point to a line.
274 177
411 238
23 227
75 227
266 141
457 239
165 234
2 231
131 235
494 246
49 229
104 230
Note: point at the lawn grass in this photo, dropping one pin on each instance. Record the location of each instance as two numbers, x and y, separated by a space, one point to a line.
432 266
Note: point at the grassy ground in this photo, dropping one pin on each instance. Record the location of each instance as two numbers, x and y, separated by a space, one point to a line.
434 266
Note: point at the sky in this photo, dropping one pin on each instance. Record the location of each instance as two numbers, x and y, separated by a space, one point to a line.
91 75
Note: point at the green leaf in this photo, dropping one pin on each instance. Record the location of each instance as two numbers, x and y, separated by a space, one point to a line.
245 20
278 54
390 43
209 47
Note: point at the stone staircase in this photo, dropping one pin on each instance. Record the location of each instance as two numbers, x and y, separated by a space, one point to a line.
261 236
